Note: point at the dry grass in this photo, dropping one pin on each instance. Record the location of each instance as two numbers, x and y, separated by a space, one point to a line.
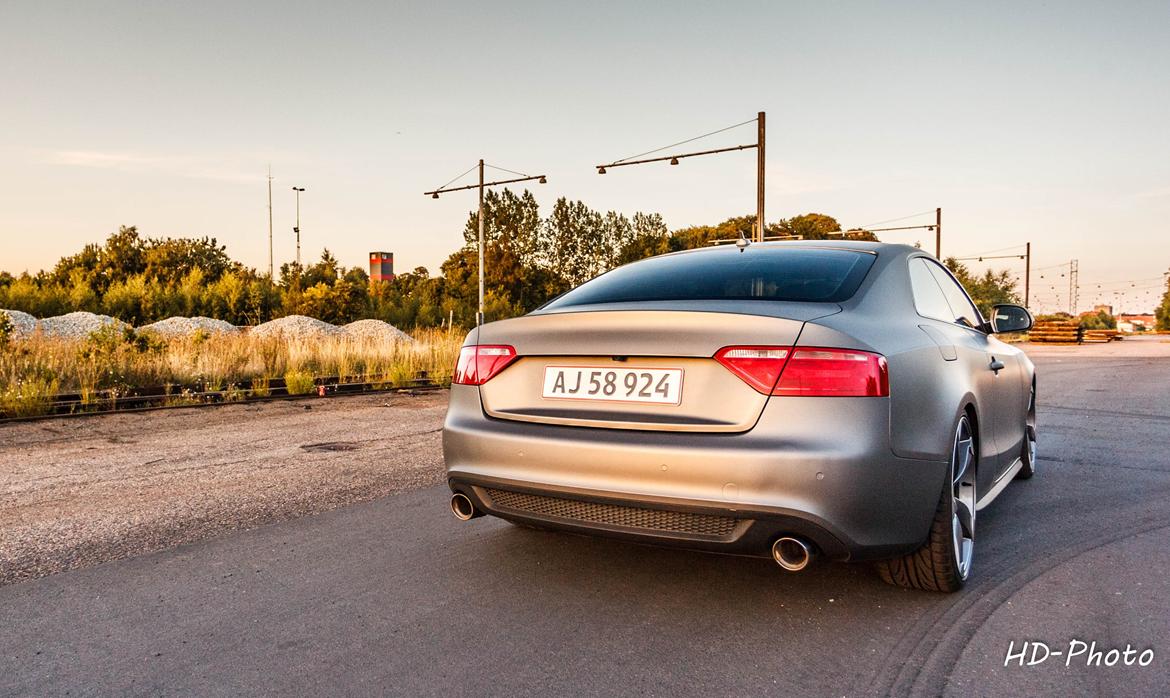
32 371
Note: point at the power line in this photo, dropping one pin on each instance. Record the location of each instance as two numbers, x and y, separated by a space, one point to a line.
504 169
459 177
689 140
1125 281
1052 266
760 232
990 252
895 220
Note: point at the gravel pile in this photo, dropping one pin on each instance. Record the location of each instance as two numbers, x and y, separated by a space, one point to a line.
296 327
375 330
185 326
78 325
23 324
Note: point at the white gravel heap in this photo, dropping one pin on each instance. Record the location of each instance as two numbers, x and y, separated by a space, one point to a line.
186 326
78 325
295 327
23 324
375 330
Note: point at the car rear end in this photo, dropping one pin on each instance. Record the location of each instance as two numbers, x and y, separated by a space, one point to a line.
675 403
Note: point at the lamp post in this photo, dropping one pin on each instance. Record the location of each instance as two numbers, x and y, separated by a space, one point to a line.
270 223
297 227
434 194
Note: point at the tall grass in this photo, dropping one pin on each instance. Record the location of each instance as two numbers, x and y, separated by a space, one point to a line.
33 370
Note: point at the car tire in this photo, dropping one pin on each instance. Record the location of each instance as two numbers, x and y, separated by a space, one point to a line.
1028 452
943 563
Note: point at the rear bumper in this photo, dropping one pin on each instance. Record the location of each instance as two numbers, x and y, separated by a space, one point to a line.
819 468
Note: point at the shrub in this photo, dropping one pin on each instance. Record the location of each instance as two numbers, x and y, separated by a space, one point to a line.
28 397
299 382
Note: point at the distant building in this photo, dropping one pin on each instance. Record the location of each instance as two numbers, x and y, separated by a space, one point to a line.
1136 323
1107 308
381 266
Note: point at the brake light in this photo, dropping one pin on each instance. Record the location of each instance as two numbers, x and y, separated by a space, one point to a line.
479 363
808 371
759 367
817 372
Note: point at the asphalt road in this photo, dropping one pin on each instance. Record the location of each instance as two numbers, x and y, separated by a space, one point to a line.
394 596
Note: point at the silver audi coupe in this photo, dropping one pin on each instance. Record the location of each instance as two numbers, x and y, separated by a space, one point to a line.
796 399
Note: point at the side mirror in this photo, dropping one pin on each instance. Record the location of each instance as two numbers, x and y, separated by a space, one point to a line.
1010 318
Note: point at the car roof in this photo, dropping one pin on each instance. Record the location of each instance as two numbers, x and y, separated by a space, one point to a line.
852 245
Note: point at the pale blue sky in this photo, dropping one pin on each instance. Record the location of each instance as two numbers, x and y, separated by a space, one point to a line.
1024 121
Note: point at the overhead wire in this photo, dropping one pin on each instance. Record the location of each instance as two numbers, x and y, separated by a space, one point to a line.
689 140
991 252
504 169
458 177
895 220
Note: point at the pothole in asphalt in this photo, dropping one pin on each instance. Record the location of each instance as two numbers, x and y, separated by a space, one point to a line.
330 446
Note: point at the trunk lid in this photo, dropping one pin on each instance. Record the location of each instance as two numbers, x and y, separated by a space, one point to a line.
646 341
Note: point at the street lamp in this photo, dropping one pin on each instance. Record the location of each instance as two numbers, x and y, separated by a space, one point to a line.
297 227
434 194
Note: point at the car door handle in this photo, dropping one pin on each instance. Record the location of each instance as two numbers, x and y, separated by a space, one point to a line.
996 365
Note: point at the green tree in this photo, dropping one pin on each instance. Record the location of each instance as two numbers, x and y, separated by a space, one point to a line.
169 260
575 242
1100 320
513 264
325 271
987 290
703 235
1162 313
649 237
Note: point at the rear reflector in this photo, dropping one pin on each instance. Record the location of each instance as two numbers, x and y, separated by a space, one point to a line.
811 372
478 363
759 367
834 373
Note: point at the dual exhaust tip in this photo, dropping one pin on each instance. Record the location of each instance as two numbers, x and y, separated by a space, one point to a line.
792 554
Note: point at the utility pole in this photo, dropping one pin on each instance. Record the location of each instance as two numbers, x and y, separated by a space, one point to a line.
270 277
434 194
758 145
479 312
760 176
297 227
1074 289
1028 276
938 233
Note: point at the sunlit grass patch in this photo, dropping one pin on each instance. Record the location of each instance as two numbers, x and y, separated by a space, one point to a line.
114 363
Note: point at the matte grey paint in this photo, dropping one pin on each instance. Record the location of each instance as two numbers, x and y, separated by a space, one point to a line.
882 461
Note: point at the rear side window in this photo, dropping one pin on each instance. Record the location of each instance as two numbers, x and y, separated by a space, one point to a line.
724 273
962 307
938 296
929 300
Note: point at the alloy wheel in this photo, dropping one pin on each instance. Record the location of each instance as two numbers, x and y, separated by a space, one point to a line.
1030 428
963 497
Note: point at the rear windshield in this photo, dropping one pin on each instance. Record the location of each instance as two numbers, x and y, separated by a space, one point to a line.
758 273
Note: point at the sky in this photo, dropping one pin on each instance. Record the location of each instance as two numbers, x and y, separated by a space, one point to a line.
1024 121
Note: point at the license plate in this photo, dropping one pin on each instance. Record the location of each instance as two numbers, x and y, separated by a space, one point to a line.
654 385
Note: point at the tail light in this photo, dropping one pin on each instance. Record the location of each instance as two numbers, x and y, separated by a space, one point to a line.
834 373
479 363
759 367
809 372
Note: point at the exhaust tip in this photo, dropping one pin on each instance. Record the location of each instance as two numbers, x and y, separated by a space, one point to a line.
792 554
462 507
